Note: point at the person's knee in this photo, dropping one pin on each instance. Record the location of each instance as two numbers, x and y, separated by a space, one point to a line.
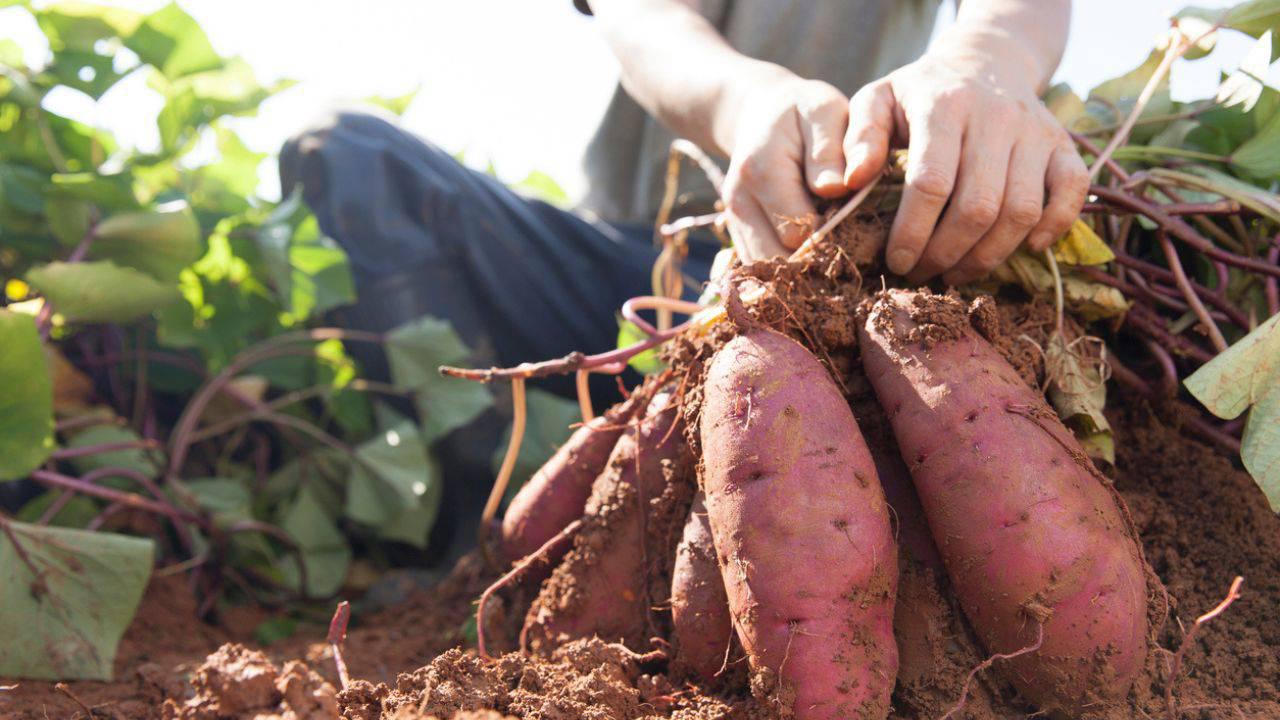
304 150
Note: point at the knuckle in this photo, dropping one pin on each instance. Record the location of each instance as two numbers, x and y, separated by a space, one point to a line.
1024 213
985 261
980 210
932 182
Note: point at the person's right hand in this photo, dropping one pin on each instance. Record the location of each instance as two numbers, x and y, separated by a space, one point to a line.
787 140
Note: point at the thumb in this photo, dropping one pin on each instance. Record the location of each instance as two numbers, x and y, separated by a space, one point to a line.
866 144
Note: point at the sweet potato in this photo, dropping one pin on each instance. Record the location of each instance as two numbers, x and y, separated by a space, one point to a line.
1032 537
801 529
556 495
699 607
604 584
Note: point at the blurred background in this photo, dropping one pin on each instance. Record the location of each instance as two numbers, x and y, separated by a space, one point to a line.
513 84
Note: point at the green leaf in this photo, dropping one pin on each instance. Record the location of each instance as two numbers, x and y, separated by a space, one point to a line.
1260 156
1254 17
541 186
68 218
395 105
196 100
310 272
68 604
22 188
78 26
1244 87
100 291
160 243
273 630
1247 375
88 72
227 499
415 351
324 548
1119 95
135 459
548 427
26 403
77 513
171 41
393 473
109 192
645 363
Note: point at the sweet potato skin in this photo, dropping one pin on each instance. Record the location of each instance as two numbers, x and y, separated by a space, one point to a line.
603 585
699 606
557 494
801 528
1030 534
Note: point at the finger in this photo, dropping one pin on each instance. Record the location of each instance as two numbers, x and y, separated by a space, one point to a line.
1067 180
754 237
822 125
779 189
866 144
1021 210
975 203
933 156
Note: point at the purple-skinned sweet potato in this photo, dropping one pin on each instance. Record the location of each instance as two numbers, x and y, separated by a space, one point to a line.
1033 538
699 607
801 528
603 586
557 493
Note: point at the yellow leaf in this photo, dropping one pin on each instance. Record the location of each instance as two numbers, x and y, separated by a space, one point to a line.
1082 246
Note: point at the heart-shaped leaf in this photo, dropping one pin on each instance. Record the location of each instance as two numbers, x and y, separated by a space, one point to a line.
68 596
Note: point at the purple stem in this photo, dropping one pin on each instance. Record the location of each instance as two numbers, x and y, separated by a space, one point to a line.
130 500
1273 286
1182 231
1180 275
1146 321
56 507
1231 311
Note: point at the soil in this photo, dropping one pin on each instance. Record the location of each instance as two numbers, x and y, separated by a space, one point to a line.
1202 521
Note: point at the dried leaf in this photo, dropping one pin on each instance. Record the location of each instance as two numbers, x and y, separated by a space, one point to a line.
1082 246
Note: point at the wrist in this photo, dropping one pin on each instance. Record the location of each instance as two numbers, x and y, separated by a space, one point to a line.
995 56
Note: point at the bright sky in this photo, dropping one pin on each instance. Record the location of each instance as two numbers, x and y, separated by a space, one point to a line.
514 82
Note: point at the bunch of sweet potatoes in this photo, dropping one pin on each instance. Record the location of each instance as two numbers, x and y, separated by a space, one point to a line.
788 552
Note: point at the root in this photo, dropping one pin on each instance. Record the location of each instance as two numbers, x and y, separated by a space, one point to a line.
584 396
525 563
513 450
964 690
1175 667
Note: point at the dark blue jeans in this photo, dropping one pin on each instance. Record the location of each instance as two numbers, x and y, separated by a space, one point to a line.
520 280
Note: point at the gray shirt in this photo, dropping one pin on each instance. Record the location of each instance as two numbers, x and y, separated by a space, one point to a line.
847 43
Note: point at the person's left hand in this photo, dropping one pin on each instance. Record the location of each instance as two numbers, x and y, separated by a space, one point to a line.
982 153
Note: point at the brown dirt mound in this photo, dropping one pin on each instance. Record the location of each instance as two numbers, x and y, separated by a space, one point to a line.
1202 522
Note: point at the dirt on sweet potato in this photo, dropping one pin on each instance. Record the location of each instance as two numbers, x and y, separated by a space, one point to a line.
1201 518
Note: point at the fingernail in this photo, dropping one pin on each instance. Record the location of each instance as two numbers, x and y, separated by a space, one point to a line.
899 261
1039 241
828 178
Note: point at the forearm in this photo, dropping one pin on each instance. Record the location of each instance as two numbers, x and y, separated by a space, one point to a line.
679 68
1020 40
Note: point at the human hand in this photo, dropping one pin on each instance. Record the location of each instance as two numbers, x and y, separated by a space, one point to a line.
982 153
786 144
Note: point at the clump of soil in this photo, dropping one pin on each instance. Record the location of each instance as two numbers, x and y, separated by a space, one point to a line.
1202 521
582 679
235 681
